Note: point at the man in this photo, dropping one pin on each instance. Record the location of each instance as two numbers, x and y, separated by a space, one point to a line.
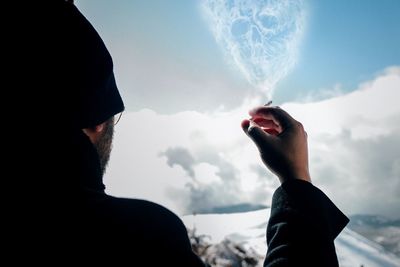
66 213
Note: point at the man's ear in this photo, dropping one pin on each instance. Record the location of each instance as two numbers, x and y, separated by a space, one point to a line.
99 128
94 132
95 129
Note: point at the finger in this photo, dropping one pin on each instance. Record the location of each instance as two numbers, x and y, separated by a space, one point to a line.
282 117
276 113
267 124
272 129
245 125
272 132
268 117
261 138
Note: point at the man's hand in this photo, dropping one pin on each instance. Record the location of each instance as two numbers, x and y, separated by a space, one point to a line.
281 140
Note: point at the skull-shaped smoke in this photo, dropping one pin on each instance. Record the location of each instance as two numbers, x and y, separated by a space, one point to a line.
261 36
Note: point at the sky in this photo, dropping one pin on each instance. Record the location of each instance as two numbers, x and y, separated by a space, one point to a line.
190 70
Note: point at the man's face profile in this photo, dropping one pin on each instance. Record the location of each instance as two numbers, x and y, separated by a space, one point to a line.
103 144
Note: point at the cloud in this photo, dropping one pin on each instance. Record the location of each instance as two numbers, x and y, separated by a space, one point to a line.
361 174
180 156
354 147
208 161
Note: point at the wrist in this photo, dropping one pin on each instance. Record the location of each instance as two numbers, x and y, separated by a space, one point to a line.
303 175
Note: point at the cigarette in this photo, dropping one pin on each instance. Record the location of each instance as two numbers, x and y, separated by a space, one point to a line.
269 103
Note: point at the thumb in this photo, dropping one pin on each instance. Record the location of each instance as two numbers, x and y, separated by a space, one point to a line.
253 125
257 134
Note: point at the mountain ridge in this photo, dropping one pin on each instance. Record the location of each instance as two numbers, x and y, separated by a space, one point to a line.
247 229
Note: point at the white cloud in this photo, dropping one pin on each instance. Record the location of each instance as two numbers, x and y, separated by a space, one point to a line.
353 141
180 156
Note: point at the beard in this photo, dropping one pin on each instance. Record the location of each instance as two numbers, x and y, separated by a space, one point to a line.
104 145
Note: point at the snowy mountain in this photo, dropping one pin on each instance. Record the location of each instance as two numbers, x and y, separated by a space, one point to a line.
379 229
248 230
235 208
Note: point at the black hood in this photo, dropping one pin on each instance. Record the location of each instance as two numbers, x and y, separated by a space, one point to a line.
64 82
71 67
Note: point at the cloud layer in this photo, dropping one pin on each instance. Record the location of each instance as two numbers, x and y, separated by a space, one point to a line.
190 160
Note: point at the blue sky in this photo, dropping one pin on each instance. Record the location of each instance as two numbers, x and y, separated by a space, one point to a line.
345 42
180 142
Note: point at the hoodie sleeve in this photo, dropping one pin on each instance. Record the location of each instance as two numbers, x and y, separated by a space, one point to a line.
303 225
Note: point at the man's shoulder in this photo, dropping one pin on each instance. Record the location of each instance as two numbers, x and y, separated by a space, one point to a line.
140 209
135 229
138 217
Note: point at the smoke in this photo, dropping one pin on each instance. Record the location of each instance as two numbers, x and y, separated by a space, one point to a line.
260 37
